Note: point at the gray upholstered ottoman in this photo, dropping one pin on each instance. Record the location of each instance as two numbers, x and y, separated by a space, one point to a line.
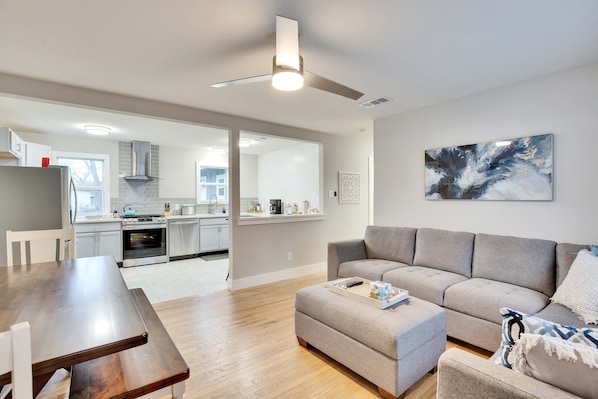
393 348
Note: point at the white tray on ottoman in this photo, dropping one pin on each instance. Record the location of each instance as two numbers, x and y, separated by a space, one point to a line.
361 292
393 348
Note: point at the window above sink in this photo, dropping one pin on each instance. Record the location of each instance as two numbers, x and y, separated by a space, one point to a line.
211 183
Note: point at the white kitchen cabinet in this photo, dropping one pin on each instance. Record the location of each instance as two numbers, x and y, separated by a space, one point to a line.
11 145
110 243
86 244
101 238
35 152
213 234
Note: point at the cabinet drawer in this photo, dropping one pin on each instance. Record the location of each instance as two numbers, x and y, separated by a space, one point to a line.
213 221
95 227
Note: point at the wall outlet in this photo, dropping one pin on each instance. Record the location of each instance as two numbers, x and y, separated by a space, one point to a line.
331 193
289 256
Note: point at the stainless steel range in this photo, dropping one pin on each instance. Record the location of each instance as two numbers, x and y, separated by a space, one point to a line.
144 240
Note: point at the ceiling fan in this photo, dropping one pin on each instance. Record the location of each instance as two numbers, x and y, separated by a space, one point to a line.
287 67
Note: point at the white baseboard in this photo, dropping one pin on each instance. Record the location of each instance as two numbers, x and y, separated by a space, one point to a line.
266 278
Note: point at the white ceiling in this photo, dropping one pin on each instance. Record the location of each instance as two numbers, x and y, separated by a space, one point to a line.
416 52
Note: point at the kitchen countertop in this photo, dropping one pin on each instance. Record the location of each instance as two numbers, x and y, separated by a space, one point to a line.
98 220
198 216
105 219
245 218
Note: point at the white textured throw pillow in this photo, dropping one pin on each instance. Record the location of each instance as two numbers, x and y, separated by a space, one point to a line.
579 290
563 364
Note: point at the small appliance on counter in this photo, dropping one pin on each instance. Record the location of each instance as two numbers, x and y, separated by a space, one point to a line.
188 209
275 207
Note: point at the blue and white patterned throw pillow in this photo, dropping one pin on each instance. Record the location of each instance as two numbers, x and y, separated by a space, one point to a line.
594 250
515 323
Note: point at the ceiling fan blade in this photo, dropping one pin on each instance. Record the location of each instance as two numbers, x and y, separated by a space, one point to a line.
287 42
242 81
318 82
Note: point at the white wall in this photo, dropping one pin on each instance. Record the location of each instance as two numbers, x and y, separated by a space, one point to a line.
564 103
178 170
248 176
291 174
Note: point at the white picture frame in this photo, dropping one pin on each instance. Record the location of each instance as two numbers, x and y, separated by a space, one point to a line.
349 187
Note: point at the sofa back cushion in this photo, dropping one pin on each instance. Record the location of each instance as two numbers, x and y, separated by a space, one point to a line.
390 243
451 251
526 262
565 255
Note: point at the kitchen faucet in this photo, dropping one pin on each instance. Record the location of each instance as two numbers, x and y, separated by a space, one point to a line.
213 204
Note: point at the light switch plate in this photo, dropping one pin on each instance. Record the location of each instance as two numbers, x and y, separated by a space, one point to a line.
331 193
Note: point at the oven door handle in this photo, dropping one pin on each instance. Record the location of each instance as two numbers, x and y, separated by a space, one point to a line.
141 227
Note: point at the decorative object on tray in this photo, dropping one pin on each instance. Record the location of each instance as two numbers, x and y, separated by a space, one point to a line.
380 290
349 187
361 290
518 169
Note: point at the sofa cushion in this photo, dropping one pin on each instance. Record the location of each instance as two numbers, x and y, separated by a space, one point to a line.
371 269
578 291
390 243
561 314
423 282
515 323
483 298
525 262
445 250
565 255
569 366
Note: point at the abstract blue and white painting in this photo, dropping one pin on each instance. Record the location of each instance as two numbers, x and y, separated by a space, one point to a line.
518 169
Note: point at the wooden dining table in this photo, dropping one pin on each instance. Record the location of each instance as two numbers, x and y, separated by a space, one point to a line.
78 310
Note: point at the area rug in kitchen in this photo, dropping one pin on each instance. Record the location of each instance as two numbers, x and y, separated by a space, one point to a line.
215 256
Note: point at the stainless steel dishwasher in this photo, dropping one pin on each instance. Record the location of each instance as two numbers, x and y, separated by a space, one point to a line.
183 237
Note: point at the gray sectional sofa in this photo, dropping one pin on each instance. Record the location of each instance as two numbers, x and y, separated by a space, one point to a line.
471 276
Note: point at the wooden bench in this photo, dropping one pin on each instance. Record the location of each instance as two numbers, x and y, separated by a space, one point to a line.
153 370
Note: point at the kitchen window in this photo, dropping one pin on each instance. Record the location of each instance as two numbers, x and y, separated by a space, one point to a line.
90 173
212 183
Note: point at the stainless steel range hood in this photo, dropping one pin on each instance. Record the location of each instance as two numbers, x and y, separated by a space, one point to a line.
142 161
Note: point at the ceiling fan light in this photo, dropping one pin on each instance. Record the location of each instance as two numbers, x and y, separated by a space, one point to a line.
97 130
287 80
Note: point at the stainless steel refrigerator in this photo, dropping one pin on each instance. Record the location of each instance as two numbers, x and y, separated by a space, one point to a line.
35 199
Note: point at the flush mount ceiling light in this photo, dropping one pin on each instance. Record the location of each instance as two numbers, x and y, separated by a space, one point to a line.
287 69
245 143
219 150
97 130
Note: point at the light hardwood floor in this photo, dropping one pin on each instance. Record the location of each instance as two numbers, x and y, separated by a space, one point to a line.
242 345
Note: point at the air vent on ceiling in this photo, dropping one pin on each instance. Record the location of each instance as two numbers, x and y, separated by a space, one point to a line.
374 102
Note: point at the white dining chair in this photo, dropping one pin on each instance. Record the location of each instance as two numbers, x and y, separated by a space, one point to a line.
41 245
15 357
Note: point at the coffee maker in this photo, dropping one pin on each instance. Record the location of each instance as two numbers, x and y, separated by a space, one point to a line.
275 207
